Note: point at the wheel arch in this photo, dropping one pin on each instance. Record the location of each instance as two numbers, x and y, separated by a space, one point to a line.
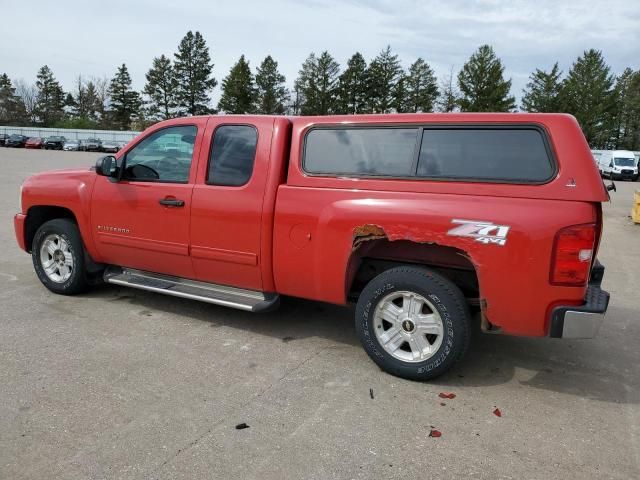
375 255
37 215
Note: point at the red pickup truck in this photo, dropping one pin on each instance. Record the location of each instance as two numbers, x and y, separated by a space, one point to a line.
429 223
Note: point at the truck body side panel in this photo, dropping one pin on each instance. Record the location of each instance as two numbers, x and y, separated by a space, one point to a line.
316 229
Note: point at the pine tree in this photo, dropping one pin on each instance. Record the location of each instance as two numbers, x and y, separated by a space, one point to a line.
627 114
12 110
238 89
125 102
306 88
327 81
91 100
69 102
588 94
272 94
50 100
82 102
317 82
352 87
401 102
631 138
450 95
193 69
422 87
383 73
543 92
161 89
482 84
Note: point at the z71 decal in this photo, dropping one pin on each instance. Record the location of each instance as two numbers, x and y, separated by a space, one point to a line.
483 232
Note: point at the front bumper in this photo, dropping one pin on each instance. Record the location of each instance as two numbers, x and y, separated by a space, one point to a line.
582 321
624 175
18 224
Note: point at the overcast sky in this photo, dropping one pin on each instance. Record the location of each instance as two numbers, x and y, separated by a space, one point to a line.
92 38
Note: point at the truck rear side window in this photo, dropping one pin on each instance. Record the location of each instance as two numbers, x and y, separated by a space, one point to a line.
509 154
232 155
360 151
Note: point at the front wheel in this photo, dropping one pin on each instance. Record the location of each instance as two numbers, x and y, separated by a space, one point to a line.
58 257
413 322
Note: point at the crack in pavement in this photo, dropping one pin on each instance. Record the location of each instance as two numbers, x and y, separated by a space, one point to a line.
195 441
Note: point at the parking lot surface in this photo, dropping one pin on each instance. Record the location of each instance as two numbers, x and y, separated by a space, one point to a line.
121 383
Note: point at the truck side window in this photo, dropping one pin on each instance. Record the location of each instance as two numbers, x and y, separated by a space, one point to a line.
232 156
507 154
360 151
163 156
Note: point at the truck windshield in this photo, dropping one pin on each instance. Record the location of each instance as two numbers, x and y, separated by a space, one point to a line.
625 162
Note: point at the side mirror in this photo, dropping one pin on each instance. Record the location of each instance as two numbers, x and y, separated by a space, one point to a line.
611 186
107 166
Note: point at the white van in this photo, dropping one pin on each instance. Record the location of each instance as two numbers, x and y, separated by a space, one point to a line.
617 164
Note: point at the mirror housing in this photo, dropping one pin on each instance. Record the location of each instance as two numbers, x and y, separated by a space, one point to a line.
611 186
107 166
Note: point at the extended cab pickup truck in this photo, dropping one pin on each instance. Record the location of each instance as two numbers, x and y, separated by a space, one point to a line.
430 223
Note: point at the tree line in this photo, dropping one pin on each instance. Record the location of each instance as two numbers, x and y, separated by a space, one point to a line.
607 106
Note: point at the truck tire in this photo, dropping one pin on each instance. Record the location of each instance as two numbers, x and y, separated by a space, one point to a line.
58 257
413 322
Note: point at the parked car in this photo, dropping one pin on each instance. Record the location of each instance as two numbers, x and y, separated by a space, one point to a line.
424 221
618 164
73 145
110 146
93 145
34 142
54 143
16 141
3 138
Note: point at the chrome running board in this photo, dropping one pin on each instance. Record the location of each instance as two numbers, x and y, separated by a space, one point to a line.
248 300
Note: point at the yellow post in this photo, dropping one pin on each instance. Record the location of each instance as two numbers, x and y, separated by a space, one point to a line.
635 213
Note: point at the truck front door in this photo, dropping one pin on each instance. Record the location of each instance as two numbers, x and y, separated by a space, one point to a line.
142 220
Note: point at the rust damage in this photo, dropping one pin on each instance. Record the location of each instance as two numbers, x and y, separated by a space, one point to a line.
365 233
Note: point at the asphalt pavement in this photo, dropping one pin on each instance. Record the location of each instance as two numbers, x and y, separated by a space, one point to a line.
121 384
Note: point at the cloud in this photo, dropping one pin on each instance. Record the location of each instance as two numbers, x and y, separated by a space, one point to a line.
92 38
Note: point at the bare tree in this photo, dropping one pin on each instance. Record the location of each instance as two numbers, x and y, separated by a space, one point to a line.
102 95
449 93
28 93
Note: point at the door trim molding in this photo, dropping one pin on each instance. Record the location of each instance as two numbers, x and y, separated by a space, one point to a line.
221 255
144 244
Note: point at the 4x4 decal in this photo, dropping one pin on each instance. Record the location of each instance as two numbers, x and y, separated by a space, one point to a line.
483 232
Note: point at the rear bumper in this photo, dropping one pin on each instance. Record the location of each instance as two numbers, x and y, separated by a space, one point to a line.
582 321
18 225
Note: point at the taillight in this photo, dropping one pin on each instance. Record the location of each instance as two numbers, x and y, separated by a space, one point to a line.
572 254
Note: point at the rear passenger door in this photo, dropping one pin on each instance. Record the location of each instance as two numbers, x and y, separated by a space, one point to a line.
227 202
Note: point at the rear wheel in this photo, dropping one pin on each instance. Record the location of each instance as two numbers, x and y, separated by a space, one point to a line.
58 257
413 322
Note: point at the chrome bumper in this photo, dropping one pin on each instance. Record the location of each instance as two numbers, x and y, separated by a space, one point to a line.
581 324
582 321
